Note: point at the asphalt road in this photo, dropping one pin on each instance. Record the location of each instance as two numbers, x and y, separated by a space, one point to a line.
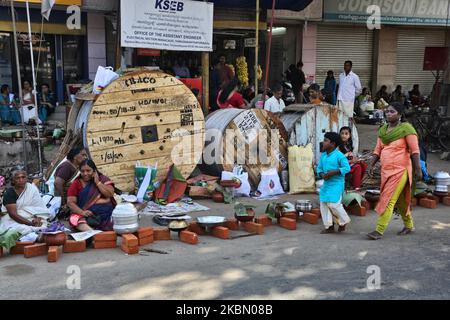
281 264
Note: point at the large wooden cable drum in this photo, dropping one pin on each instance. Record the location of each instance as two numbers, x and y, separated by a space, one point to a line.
142 116
230 123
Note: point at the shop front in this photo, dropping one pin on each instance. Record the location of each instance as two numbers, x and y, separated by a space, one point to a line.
390 54
58 52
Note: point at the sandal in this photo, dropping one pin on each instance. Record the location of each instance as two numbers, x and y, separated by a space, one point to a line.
405 231
375 235
328 230
342 228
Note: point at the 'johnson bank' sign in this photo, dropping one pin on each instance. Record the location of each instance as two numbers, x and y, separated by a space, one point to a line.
406 12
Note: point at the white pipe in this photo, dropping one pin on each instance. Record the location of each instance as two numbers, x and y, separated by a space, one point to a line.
34 89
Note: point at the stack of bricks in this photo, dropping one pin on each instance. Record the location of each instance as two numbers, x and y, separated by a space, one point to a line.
35 250
19 248
264 219
145 235
130 244
288 223
428 202
254 227
311 217
446 201
356 210
72 246
105 240
161 234
221 232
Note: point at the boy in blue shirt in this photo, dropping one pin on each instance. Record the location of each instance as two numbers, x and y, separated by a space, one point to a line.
333 166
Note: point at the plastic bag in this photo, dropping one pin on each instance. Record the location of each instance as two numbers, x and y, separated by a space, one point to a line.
103 77
238 173
53 204
270 184
144 179
301 171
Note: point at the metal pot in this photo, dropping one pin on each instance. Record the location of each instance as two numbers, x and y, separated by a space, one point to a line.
125 218
210 221
303 205
178 225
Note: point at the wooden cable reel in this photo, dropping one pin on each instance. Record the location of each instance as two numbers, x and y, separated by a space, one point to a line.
143 116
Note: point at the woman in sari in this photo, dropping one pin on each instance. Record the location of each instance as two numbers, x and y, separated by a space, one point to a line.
26 211
91 199
397 144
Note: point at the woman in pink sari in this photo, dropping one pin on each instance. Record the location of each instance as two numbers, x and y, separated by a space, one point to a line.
91 199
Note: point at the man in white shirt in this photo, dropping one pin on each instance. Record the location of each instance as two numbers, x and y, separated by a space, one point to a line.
275 104
349 88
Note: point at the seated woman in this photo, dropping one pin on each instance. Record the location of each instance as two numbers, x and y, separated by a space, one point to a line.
91 199
26 211
314 94
229 97
358 168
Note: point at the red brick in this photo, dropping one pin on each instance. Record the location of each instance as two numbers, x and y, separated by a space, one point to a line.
315 211
144 232
196 228
356 210
146 240
188 237
288 223
310 218
414 202
105 236
291 215
254 227
35 250
130 250
130 240
72 246
264 219
161 234
221 232
446 201
20 246
105 244
434 197
428 203
232 224
53 253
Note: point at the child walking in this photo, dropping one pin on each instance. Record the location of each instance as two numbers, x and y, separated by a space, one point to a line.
358 167
333 166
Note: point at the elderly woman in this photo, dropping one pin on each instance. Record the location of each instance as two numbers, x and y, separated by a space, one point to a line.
397 144
26 212
91 199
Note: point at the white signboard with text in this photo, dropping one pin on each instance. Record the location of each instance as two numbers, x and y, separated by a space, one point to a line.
182 25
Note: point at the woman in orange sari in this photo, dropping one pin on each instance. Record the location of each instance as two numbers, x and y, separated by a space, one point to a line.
397 144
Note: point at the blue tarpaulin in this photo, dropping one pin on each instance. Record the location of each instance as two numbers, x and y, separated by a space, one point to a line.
295 5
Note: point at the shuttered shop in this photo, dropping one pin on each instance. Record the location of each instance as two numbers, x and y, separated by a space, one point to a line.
336 44
410 52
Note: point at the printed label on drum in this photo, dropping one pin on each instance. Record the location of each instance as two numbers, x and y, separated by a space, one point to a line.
248 123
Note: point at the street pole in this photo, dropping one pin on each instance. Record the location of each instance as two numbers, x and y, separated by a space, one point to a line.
34 89
256 48
266 79
19 80
118 59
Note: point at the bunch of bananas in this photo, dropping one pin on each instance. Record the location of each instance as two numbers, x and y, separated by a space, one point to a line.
242 70
259 72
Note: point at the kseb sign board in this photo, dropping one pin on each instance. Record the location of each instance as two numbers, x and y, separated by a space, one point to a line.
182 25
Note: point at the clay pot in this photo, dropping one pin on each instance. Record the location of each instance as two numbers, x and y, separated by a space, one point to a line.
371 197
58 239
218 197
